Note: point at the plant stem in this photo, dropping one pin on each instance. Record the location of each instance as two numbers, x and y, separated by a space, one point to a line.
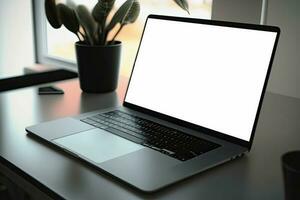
82 35
97 34
78 36
88 38
102 37
121 27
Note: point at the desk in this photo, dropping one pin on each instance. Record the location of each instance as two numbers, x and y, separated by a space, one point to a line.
39 168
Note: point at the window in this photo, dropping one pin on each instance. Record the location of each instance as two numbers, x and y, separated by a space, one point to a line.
16 37
57 46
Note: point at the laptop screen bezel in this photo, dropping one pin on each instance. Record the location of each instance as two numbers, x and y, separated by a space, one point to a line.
196 127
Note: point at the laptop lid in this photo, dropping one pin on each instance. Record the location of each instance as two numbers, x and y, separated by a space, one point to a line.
207 75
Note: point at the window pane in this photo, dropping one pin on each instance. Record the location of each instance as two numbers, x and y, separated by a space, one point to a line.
60 43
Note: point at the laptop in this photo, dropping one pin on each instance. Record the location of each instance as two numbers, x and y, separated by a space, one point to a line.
192 103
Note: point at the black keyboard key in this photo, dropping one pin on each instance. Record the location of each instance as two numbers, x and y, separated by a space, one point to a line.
131 132
88 121
125 135
168 151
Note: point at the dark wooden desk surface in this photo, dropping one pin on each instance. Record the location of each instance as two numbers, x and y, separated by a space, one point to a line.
255 176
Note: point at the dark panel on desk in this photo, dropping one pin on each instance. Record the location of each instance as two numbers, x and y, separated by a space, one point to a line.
35 79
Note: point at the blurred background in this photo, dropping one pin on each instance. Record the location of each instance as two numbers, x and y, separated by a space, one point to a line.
26 38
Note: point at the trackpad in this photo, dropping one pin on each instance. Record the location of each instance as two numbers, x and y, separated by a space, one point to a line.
97 145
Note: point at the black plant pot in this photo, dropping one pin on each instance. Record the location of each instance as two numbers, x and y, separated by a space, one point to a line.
98 66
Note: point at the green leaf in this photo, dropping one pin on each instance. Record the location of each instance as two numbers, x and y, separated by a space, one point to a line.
183 4
68 18
126 14
88 23
52 14
102 9
132 13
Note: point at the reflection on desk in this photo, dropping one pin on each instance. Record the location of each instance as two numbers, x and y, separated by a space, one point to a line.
43 170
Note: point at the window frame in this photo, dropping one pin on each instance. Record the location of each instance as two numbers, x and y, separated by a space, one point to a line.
40 35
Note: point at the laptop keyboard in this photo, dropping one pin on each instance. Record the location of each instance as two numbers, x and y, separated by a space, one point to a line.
158 137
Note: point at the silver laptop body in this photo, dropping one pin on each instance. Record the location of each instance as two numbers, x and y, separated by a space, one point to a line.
201 80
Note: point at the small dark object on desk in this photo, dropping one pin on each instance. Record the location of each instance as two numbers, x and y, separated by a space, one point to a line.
291 174
50 90
4 192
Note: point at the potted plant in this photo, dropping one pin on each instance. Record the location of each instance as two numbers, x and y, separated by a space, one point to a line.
98 58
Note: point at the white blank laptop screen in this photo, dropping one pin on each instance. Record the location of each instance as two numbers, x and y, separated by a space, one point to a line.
207 75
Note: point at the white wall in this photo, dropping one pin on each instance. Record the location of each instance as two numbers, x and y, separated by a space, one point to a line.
285 77
247 11
16 36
